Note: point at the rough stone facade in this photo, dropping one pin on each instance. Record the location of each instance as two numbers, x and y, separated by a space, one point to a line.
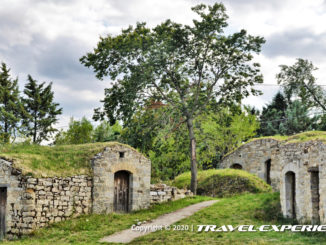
297 170
112 160
163 193
36 202
253 157
31 203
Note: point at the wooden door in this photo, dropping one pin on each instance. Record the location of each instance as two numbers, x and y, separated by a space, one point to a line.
3 202
121 191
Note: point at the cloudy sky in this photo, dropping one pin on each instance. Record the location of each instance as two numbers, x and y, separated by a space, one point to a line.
46 38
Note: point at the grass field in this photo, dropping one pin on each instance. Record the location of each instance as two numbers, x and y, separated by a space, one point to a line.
49 161
247 209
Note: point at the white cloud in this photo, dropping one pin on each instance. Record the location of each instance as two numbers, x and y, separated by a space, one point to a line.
46 38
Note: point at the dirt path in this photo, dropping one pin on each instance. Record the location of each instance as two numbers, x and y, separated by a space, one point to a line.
128 235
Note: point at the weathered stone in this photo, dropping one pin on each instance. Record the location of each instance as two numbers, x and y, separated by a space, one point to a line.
295 169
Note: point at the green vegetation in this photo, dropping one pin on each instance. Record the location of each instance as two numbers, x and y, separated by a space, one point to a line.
89 229
40 111
298 138
32 115
82 132
249 209
166 142
253 209
10 105
46 161
186 67
223 182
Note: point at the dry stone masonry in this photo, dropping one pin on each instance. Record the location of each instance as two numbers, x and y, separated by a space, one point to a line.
120 182
297 170
162 193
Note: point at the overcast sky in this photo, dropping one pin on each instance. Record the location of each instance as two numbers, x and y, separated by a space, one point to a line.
46 38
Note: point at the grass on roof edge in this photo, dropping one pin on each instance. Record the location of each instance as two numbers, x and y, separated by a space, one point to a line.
51 161
288 139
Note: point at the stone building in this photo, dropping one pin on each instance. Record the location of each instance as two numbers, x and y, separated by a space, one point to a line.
296 170
120 182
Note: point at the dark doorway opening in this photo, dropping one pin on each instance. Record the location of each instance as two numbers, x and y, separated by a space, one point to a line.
236 166
268 171
315 198
121 191
3 203
290 194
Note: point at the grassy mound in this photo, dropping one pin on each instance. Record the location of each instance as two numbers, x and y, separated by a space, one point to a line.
223 182
49 161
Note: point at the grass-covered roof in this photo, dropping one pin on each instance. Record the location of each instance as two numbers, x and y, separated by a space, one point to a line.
297 138
50 161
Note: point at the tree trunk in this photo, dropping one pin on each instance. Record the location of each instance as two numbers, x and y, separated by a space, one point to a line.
34 130
193 159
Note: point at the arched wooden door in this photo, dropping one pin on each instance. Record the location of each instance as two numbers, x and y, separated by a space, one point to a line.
121 191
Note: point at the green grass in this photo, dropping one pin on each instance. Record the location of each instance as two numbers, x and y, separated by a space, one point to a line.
248 209
298 138
223 182
88 229
49 161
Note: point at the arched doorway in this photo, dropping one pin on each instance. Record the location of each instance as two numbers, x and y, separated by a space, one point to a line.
315 197
268 171
290 194
121 191
236 166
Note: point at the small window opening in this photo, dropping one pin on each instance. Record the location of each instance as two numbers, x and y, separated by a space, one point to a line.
121 154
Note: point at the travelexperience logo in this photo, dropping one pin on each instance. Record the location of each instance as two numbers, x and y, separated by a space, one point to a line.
262 228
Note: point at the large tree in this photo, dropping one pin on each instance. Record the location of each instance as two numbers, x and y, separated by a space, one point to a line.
183 66
40 111
10 106
298 81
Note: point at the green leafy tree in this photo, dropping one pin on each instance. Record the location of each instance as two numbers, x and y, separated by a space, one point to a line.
10 106
105 132
183 66
217 133
79 132
298 81
40 110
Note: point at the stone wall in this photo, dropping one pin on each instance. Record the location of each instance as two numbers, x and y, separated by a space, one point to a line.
32 202
35 202
162 193
113 159
305 160
298 171
253 157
